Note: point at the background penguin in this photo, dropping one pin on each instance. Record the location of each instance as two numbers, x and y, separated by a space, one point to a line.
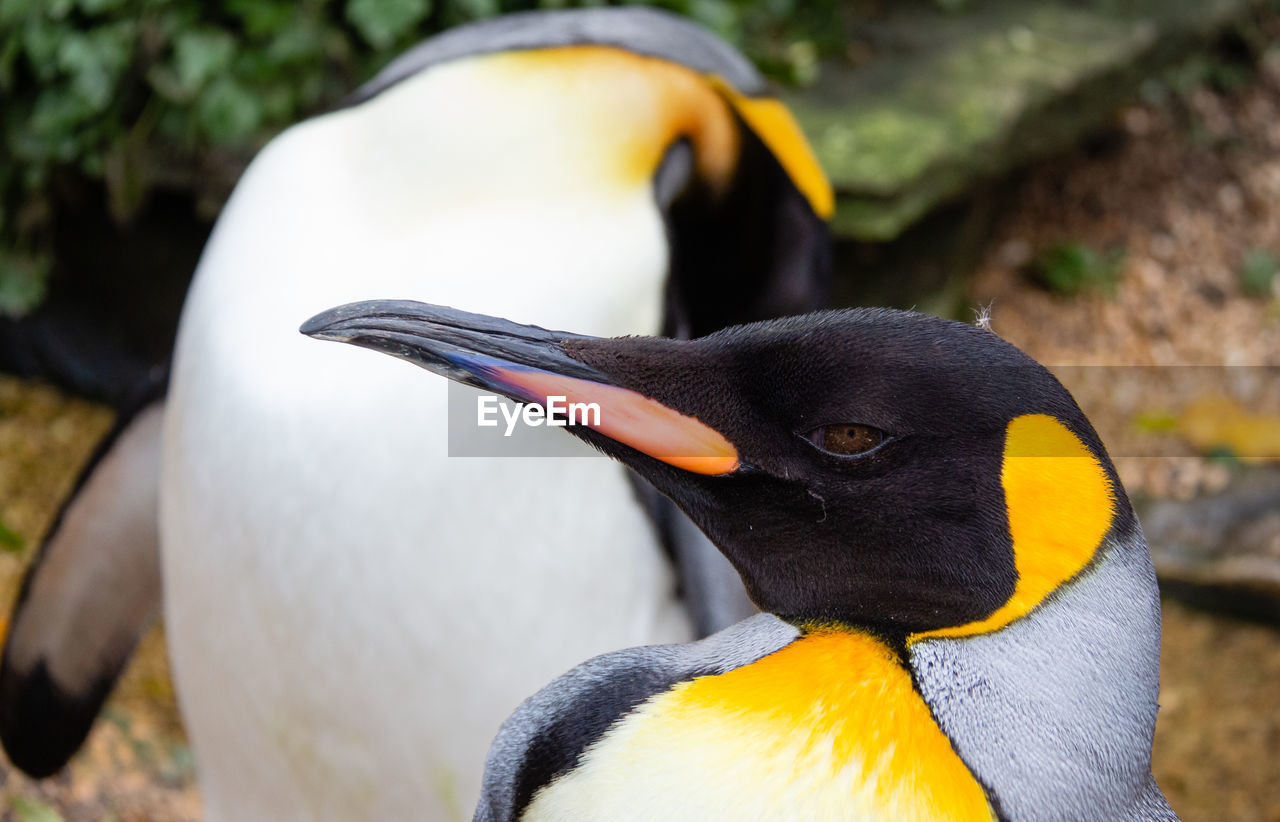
345 643
963 618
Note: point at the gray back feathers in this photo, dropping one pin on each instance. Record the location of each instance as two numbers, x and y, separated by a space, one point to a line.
556 724
643 31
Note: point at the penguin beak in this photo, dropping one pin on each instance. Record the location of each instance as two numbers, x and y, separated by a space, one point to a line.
527 364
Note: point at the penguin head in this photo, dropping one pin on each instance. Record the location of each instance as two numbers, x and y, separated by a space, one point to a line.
609 104
882 469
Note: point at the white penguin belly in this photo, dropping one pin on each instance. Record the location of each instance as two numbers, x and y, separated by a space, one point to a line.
355 665
351 613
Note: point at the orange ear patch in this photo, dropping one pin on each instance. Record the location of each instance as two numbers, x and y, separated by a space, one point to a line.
1060 504
623 110
772 122
628 109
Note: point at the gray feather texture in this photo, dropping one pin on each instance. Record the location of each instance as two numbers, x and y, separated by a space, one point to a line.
655 668
643 31
1055 713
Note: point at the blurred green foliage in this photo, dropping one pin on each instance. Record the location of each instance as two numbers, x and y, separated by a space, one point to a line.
1070 268
33 810
10 540
1257 271
178 93
1155 422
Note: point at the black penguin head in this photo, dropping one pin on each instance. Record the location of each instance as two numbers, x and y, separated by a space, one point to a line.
870 467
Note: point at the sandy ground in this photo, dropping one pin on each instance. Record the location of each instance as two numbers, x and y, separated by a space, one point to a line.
1186 194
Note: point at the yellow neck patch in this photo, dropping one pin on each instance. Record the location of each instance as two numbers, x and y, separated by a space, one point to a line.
630 109
773 124
827 728
1060 504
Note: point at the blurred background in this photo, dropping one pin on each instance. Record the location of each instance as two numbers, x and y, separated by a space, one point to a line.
1098 180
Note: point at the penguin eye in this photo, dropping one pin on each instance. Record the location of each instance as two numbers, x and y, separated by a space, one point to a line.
847 438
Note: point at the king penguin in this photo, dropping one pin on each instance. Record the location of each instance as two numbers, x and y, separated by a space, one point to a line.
961 616
346 637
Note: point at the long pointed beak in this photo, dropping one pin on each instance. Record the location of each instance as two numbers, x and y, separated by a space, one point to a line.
527 364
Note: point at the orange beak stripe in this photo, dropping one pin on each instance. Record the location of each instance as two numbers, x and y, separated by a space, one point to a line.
634 420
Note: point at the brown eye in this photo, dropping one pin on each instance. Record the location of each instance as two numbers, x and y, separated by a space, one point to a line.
846 438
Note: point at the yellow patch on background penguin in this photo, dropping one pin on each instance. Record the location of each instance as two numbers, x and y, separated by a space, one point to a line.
634 107
827 728
772 122
627 109
1060 504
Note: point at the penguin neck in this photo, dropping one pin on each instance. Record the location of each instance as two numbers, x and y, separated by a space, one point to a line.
1057 709
527 126
851 697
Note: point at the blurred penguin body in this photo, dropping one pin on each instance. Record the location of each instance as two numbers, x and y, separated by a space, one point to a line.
344 598
351 613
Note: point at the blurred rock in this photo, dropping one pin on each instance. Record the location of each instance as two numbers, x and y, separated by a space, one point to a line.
1221 551
950 99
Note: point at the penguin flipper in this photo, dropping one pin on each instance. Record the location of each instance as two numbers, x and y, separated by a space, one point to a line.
85 600
548 733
